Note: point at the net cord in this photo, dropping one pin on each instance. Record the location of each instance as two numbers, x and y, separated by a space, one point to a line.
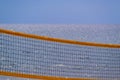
58 39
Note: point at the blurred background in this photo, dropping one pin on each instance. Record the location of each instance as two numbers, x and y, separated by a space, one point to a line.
60 11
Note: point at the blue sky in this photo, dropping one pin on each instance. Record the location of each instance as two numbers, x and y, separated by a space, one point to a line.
60 11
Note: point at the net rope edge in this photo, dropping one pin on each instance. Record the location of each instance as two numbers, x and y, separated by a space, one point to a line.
21 34
33 76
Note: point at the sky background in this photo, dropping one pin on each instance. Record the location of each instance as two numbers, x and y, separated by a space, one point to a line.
60 11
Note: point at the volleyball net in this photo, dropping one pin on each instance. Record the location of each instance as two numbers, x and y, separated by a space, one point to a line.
37 57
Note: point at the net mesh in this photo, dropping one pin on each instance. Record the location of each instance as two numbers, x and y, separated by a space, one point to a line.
40 57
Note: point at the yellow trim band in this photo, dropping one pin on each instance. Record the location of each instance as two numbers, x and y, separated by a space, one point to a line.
31 76
59 40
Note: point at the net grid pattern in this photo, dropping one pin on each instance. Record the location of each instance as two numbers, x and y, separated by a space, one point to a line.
25 55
